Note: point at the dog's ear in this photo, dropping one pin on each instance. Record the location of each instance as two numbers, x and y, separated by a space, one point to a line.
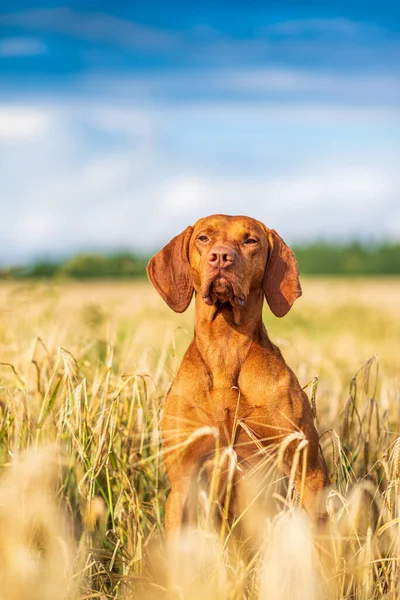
281 278
169 272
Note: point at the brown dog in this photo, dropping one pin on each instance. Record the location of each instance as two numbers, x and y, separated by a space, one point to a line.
231 372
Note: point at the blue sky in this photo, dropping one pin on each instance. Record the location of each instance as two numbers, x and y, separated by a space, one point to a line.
120 123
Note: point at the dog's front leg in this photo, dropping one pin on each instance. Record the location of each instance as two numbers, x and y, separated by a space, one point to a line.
180 505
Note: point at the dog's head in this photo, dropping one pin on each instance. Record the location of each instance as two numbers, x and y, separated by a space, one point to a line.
225 259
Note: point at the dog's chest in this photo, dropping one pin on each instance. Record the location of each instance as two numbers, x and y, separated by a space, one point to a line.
223 386
225 403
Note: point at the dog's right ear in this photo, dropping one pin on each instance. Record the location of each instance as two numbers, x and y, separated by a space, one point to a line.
169 272
281 278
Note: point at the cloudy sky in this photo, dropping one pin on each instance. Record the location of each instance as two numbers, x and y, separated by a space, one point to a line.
121 123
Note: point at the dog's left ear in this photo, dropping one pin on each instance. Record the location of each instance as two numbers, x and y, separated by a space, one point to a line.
281 278
169 272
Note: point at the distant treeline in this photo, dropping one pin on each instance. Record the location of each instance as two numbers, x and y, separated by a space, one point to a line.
84 266
314 259
350 259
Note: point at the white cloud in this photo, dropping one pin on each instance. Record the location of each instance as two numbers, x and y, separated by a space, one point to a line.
16 47
65 191
92 26
341 26
22 123
36 226
330 85
393 230
322 189
132 121
264 87
184 196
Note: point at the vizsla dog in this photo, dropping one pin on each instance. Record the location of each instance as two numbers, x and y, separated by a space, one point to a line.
232 373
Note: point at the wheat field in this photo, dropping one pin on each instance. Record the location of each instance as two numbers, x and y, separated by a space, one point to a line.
84 369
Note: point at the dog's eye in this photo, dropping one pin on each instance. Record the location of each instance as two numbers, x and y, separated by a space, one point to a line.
203 238
250 241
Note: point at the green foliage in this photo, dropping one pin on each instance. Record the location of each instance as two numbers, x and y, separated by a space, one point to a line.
43 269
319 258
351 259
83 266
103 266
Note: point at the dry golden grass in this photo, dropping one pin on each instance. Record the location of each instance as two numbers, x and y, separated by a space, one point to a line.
83 375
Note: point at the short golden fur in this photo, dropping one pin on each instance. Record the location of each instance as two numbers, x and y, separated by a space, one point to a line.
231 263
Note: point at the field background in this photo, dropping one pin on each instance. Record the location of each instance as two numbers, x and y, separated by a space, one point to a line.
85 367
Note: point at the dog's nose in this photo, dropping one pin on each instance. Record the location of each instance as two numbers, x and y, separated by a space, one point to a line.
221 257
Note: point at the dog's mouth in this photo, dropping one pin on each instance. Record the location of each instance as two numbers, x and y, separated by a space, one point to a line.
223 293
221 307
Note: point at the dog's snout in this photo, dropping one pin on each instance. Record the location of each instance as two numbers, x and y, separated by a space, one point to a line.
221 257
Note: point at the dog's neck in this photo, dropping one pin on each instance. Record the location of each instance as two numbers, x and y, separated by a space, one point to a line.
224 337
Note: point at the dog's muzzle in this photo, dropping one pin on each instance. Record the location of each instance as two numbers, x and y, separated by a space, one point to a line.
221 289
